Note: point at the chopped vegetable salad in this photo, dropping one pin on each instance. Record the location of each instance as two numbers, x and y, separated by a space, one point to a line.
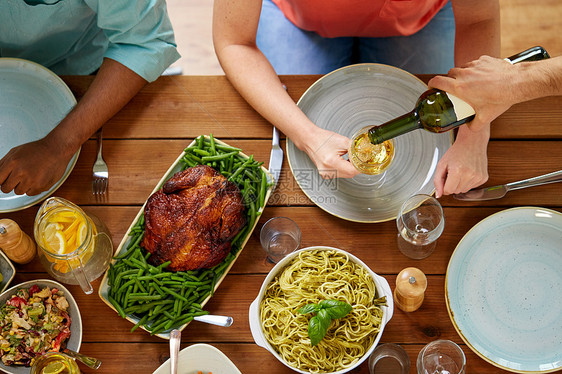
33 321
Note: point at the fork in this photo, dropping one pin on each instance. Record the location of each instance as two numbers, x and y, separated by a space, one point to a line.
100 178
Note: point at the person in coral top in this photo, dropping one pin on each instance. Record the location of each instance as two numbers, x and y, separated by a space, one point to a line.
255 41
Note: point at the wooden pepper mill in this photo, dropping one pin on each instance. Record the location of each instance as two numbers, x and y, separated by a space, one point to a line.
410 288
15 243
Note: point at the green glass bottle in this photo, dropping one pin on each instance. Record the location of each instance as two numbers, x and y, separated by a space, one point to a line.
438 111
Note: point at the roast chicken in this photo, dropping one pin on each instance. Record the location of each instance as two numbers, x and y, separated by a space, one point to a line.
192 219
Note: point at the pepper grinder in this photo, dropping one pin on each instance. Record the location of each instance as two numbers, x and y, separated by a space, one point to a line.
15 243
410 288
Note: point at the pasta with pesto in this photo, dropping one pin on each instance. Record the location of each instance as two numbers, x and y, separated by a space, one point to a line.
311 277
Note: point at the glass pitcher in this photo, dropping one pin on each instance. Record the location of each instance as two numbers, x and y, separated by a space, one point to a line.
75 248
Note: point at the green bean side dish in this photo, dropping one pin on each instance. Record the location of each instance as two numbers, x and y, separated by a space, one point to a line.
163 300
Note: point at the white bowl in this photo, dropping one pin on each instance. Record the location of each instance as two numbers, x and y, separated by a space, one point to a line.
75 339
381 284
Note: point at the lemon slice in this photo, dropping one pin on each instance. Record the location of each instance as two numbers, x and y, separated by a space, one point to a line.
56 243
82 233
54 368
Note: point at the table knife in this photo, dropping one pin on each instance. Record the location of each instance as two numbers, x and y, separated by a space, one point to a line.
497 192
276 158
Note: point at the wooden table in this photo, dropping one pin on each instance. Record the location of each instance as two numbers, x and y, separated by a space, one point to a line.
145 138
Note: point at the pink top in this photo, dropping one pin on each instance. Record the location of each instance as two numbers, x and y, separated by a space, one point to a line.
370 18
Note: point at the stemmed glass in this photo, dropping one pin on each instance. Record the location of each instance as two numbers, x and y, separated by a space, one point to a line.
441 357
420 223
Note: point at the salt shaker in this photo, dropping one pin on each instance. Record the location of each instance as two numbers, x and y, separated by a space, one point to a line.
410 288
15 243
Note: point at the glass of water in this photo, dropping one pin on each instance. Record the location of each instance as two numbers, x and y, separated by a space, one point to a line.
279 236
441 357
420 223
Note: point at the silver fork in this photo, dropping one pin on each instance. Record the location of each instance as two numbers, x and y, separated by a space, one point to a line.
100 178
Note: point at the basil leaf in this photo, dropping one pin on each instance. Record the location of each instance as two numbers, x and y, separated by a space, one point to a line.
336 308
316 330
309 308
324 319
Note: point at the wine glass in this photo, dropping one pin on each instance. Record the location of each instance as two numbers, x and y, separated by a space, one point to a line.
420 222
441 357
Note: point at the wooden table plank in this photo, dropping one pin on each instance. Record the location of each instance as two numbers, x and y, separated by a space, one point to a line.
186 106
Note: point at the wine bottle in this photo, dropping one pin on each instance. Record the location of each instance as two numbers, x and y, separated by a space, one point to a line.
438 111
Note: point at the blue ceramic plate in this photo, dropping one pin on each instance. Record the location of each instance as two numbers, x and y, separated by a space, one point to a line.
503 289
8 271
33 100
347 100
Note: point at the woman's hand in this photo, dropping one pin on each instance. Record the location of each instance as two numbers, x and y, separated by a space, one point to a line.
326 148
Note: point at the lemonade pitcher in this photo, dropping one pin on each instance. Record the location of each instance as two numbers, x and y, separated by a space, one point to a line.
75 248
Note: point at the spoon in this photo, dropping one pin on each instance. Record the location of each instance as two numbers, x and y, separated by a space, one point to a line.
175 338
224 321
90 362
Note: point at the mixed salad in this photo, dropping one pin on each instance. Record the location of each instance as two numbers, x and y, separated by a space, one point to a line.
33 321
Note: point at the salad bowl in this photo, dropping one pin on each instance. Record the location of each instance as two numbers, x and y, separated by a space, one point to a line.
75 339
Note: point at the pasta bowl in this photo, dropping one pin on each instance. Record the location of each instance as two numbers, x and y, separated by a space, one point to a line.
381 288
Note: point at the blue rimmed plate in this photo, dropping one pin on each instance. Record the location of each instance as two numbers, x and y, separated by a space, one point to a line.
33 100
503 289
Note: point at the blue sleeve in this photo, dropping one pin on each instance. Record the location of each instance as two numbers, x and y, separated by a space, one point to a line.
140 34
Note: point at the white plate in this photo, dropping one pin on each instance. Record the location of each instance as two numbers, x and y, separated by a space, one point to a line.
347 100
503 289
33 100
201 357
75 339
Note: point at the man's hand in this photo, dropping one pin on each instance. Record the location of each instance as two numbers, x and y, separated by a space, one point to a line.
464 165
486 84
32 168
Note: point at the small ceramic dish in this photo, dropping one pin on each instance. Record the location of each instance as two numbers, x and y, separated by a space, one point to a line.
75 339
7 270
201 358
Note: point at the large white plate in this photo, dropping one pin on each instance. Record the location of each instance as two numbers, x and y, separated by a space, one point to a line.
200 357
33 100
503 289
347 100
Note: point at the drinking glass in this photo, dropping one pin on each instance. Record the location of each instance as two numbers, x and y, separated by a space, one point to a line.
389 358
279 236
420 223
441 357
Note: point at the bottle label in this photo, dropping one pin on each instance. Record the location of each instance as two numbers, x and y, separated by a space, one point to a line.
462 108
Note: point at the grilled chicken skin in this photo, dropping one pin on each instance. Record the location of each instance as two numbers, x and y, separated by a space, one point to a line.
192 219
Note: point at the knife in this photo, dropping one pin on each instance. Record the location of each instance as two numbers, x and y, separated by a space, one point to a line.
497 192
276 158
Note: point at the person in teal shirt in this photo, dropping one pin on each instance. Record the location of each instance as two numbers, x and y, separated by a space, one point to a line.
124 43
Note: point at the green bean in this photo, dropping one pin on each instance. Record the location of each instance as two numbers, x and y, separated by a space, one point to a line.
140 322
166 289
218 157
